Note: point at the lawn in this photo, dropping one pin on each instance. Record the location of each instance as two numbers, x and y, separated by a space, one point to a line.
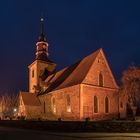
79 126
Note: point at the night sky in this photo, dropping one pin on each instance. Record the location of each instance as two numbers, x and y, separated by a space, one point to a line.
74 29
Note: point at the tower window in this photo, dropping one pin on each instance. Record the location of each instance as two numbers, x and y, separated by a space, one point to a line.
32 73
95 104
68 103
106 105
100 80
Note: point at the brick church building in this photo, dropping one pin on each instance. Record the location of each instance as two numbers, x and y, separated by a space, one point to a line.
86 89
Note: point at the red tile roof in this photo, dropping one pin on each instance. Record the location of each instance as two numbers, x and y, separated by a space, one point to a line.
30 99
71 75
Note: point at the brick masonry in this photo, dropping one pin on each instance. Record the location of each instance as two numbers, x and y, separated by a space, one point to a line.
54 105
82 96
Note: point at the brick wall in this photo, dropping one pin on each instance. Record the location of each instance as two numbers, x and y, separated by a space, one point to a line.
88 93
33 112
100 65
61 104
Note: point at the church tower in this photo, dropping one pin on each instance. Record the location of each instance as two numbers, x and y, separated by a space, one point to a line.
42 66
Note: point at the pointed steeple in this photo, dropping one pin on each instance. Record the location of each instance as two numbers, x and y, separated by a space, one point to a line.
42 34
42 66
42 45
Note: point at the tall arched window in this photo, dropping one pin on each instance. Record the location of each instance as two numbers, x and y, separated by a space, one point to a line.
121 104
100 80
106 105
68 103
53 105
95 104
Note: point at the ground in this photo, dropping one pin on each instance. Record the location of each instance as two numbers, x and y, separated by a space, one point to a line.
8 133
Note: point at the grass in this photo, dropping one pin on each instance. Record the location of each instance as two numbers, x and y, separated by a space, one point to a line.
85 126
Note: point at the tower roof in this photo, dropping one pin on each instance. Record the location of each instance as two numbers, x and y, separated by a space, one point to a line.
42 34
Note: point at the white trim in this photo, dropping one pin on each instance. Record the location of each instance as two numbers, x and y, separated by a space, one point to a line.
40 42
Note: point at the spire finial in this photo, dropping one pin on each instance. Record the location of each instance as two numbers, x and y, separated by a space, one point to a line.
42 35
42 19
42 25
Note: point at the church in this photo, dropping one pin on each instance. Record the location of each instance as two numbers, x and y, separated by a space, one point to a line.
86 89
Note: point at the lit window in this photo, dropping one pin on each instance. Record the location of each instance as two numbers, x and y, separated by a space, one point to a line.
95 104
54 109
68 103
68 109
106 105
32 73
53 105
100 80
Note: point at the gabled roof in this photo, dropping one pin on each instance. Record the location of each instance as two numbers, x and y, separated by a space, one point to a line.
71 75
30 99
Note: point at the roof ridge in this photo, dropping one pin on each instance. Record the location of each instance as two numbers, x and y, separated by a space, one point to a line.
97 51
66 76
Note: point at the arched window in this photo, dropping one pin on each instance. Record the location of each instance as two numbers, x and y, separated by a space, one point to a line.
100 80
44 108
95 104
68 103
121 104
106 105
53 105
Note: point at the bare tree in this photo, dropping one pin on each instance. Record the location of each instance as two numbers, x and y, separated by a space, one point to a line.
9 104
131 87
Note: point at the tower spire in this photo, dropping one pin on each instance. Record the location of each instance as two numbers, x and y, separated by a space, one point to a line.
42 44
42 34
42 66
42 25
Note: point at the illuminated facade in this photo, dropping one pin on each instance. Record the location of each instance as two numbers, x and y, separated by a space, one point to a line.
86 89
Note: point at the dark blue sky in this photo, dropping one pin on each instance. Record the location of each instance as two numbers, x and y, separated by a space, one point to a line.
74 29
